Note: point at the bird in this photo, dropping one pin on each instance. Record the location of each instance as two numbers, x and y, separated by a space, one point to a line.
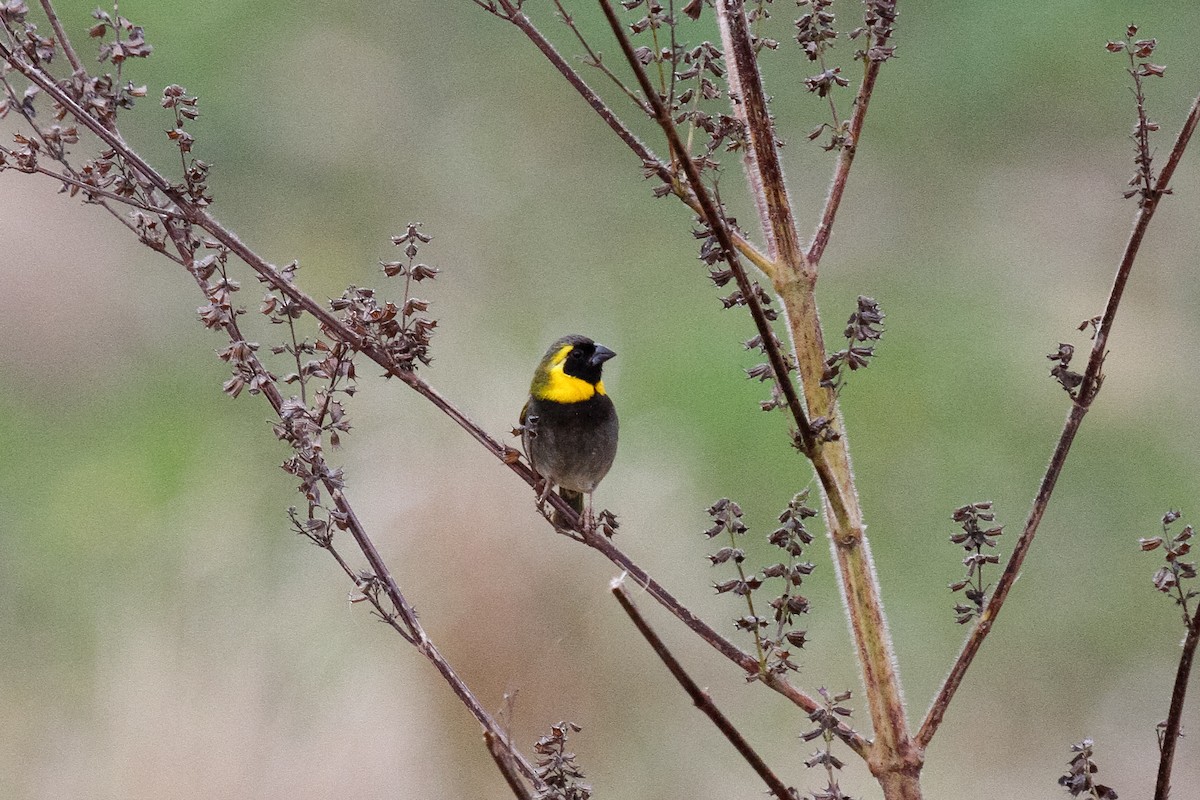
569 424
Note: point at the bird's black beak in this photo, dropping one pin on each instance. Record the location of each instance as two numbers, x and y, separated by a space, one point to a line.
601 355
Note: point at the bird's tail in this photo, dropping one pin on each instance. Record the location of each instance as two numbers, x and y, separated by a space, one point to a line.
575 499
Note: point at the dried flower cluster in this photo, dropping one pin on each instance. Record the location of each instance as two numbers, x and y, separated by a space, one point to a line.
827 719
879 24
557 768
1081 776
400 332
974 538
773 635
862 326
1170 578
1139 52
1061 371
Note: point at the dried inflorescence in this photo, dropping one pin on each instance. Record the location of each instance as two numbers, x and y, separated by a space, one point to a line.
195 171
1173 577
1061 371
828 723
400 332
879 23
862 326
556 766
977 533
791 537
773 635
1139 52
1081 775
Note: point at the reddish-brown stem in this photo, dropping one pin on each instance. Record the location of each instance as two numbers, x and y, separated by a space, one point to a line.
502 754
701 698
1171 732
60 32
764 170
841 172
726 648
1084 395
649 161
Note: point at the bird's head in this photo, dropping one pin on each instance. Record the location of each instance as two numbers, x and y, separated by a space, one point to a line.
570 372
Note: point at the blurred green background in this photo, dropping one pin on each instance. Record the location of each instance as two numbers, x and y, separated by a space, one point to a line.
165 635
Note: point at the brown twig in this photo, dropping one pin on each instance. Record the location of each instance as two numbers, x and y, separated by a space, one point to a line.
764 170
410 627
726 648
701 698
1085 394
63 40
596 60
151 179
841 173
1171 734
649 161
501 753
716 222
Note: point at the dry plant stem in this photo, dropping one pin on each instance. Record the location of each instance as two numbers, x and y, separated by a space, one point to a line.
63 41
648 159
764 171
329 322
501 754
1084 396
892 749
700 697
1171 733
845 159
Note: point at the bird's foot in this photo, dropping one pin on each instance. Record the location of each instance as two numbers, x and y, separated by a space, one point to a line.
543 495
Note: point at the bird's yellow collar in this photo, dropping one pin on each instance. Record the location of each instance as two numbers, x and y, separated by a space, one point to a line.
557 386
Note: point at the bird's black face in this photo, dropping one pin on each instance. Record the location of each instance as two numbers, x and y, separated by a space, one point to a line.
586 361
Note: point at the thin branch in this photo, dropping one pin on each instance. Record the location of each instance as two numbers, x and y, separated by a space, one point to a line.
841 173
597 60
764 170
501 753
152 179
1171 734
63 41
701 698
650 162
726 648
1086 393
412 630
94 191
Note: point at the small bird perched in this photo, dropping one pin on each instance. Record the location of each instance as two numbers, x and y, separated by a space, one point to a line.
569 424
